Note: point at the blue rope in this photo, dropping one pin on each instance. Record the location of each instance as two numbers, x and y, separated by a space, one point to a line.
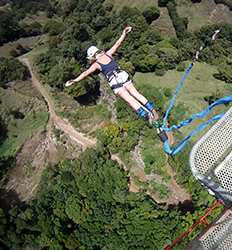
202 114
205 112
177 91
182 80
182 144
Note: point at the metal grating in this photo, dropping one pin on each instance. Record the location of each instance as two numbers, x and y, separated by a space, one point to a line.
211 163
211 156
213 146
224 173
217 237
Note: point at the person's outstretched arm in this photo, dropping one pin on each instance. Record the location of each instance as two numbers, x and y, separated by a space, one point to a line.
114 48
83 75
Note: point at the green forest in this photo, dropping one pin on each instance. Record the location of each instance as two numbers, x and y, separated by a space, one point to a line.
83 201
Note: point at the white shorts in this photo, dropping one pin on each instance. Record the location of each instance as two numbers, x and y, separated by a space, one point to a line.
124 85
122 78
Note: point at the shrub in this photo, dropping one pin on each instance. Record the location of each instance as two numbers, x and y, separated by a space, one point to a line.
163 3
100 22
181 67
9 28
150 37
224 73
11 69
127 66
109 6
151 14
13 53
3 130
160 72
53 27
33 29
180 23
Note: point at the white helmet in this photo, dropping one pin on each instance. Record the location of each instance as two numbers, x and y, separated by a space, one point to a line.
91 51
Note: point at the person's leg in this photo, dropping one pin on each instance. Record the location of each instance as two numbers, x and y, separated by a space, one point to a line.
134 92
138 107
135 104
148 105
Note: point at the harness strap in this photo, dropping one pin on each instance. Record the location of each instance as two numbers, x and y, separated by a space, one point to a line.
114 75
100 64
116 86
109 56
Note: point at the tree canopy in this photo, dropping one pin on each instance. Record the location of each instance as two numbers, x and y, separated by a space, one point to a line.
85 204
11 69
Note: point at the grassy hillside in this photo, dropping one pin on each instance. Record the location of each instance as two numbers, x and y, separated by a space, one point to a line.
163 23
198 14
119 4
203 13
199 84
25 114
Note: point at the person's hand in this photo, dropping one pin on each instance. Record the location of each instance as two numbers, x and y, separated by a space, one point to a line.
69 83
127 30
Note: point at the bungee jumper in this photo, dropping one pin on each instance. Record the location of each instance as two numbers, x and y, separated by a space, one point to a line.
118 79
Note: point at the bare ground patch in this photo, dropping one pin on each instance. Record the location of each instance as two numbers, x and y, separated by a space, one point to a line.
30 163
164 23
175 195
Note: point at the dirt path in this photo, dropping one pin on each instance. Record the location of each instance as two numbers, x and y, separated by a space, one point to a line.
178 194
137 155
60 123
131 185
37 151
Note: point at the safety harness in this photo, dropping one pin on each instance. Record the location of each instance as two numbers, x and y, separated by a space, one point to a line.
112 71
114 74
